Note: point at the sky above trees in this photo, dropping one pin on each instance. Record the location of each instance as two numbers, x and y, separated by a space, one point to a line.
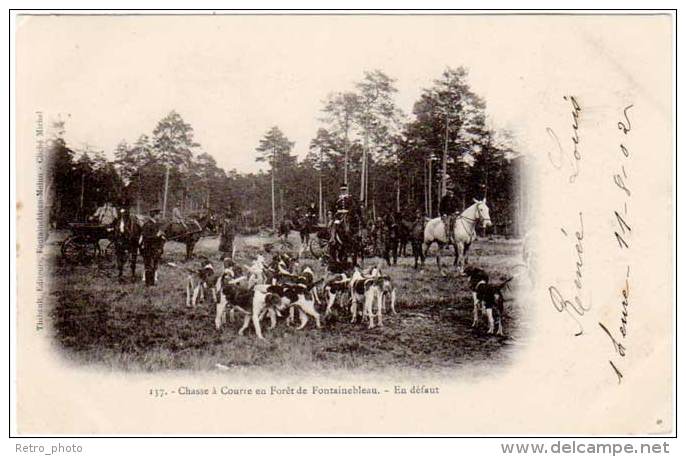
234 78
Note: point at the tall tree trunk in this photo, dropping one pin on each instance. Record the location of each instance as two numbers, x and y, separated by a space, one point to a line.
138 196
345 148
444 169
83 188
273 202
426 192
430 190
363 173
397 195
367 166
321 199
166 190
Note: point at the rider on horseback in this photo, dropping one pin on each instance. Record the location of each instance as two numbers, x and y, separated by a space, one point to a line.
178 219
344 209
311 215
447 209
105 214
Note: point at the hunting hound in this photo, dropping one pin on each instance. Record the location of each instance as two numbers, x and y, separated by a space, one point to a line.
367 291
488 299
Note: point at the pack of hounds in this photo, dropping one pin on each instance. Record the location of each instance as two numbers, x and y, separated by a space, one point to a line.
279 288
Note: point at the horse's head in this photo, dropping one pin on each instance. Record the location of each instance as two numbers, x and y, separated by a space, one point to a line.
482 212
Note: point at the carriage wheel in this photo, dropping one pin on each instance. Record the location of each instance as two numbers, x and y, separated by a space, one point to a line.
78 249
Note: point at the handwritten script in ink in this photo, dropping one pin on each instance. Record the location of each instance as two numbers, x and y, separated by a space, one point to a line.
617 332
574 307
560 154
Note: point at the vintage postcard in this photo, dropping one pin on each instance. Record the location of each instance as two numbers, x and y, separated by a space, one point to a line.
345 224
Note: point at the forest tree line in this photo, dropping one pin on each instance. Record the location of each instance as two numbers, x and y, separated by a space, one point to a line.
391 161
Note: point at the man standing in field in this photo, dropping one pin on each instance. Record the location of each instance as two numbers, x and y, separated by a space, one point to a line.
152 244
226 237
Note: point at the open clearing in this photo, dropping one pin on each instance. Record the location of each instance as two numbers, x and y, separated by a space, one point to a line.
99 321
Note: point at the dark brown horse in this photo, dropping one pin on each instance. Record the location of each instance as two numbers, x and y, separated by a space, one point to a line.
188 233
284 229
305 225
209 220
346 241
414 231
389 240
126 232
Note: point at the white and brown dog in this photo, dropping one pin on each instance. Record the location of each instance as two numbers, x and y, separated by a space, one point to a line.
488 299
232 275
251 301
255 301
388 292
366 290
299 291
336 291
234 288
199 284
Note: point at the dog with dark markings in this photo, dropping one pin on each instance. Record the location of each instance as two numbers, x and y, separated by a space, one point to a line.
336 291
366 290
488 299
476 276
252 303
388 293
199 283
237 293
300 291
297 295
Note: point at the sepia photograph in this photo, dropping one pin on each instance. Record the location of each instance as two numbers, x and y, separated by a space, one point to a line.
304 210
362 209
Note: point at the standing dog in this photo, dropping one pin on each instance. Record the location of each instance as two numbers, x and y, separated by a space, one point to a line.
235 288
263 302
336 290
488 298
300 296
251 302
366 290
198 284
388 293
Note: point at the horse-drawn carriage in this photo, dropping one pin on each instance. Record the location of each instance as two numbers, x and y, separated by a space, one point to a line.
88 241
340 242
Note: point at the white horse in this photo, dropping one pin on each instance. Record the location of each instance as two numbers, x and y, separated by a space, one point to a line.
464 232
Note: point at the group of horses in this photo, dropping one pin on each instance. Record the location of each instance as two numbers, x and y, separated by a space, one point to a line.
343 244
347 244
127 236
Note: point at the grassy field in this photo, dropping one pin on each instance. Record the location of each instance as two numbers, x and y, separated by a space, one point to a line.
97 320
